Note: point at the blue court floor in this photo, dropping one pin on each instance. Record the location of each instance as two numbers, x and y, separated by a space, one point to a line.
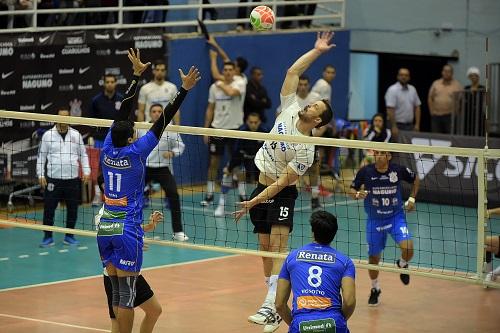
444 238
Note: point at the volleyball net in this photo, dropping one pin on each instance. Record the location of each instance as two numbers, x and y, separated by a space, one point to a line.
448 226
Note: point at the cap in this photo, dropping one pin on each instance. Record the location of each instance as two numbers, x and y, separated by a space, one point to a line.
473 70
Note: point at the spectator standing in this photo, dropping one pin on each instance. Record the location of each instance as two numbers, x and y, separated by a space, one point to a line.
441 100
63 150
323 87
159 167
474 116
158 91
256 98
224 111
403 104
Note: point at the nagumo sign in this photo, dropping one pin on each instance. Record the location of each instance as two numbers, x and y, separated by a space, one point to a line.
450 179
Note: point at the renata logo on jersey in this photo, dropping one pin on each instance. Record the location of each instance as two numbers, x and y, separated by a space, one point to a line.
117 163
304 255
313 302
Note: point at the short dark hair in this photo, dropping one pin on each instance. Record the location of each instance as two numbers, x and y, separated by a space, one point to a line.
63 108
155 105
449 65
159 62
327 115
304 77
255 68
229 63
329 66
254 114
324 227
121 131
109 75
242 63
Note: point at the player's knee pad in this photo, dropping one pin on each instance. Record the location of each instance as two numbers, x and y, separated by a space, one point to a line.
127 291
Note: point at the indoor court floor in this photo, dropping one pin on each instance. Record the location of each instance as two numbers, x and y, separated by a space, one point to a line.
60 289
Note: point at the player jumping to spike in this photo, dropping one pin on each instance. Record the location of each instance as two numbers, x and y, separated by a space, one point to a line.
272 203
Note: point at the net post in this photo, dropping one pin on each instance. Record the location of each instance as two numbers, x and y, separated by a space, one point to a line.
482 175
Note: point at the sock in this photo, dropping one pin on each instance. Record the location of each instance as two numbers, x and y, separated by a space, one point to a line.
222 199
210 187
271 291
315 191
226 183
241 188
402 263
496 271
97 190
267 281
489 267
375 284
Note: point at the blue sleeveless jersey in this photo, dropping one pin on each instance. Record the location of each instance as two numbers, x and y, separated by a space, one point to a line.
315 272
124 172
384 198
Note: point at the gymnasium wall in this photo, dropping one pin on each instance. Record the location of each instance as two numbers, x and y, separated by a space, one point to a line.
427 27
274 53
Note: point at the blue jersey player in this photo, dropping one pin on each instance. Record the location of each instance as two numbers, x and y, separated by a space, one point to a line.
316 273
379 184
123 164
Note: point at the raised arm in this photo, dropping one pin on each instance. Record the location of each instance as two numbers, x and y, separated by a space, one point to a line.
189 80
321 46
125 111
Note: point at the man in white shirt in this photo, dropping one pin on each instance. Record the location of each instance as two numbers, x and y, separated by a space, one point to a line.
280 163
403 104
63 150
159 168
224 111
158 91
240 63
305 97
323 87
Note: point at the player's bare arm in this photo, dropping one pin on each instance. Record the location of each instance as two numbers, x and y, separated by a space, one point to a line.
321 46
228 89
282 296
214 69
155 218
410 203
348 296
288 177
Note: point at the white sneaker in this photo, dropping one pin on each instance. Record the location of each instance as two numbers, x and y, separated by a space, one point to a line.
219 211
180 236
265 315
274 325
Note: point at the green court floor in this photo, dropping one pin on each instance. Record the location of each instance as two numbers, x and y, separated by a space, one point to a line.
444 236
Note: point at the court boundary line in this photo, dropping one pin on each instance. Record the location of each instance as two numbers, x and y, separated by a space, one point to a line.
54 323
99 275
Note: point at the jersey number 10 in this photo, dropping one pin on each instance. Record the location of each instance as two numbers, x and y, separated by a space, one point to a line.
111 182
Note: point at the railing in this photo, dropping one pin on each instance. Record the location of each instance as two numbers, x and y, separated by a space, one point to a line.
328 12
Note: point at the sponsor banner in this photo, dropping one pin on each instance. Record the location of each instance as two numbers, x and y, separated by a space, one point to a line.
65 69
3 166
450 180
23 165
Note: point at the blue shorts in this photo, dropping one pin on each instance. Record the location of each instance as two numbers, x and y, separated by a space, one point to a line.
321 322
377 230
121 247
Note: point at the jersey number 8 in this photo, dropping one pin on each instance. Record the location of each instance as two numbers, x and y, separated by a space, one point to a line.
314 278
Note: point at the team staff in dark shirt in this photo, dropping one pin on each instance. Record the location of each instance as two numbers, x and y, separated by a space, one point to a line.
256 99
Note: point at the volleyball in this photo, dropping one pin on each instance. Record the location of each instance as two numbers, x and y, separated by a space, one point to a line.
262 18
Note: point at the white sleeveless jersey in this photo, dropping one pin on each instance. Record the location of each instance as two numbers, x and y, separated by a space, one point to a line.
274 156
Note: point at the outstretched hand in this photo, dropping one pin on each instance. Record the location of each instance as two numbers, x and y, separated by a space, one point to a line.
245 207
135 59
190 79
323 41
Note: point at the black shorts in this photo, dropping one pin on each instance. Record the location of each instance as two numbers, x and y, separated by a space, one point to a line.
276 211
143 294
217 145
